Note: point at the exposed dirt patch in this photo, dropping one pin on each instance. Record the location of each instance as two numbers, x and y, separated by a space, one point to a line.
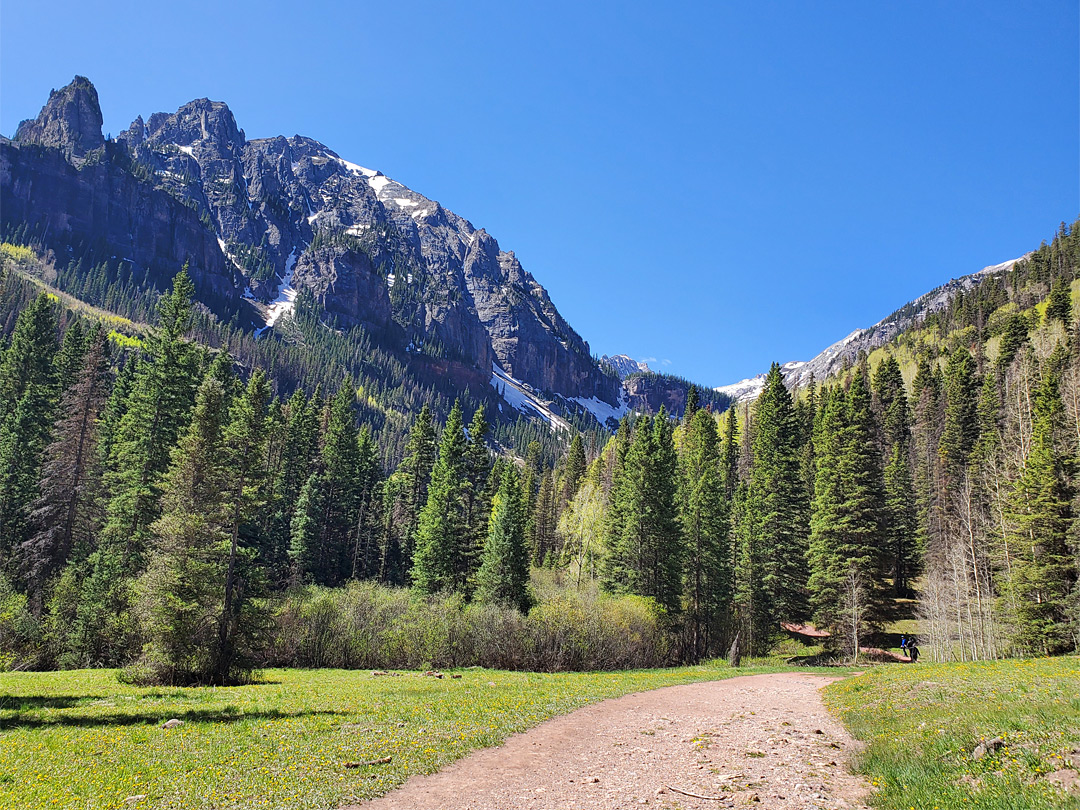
761 740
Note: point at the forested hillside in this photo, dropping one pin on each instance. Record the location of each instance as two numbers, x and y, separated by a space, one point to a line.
159 508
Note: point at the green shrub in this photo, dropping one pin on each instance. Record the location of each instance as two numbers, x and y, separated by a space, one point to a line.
370 626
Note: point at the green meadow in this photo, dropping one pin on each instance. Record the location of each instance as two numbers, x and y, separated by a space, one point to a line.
921 725
81 739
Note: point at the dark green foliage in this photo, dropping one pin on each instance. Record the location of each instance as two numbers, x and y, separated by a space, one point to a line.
776 513
503 577
1059 306
644 545
324 525
1045 571
443 557
846 520
708 574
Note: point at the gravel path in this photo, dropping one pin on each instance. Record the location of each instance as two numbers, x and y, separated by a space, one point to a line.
763 740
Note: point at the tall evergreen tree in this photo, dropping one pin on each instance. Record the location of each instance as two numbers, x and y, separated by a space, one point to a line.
27 403
708 575
408 490
443 552
777 508
503 577
1045 571
325 519
65 515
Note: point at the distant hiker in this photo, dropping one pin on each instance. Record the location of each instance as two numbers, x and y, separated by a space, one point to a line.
913 652
903 645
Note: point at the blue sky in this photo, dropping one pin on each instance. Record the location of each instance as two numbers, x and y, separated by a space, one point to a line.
715 185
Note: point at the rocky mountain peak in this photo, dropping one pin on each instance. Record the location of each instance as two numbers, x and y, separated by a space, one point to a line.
70 121
625 365
201 120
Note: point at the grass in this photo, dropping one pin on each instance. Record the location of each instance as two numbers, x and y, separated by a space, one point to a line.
80 739
921 724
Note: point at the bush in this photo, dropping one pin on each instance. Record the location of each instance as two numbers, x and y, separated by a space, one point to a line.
370 626
20 632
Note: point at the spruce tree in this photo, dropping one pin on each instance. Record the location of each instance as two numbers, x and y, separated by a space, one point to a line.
1059 305
777 510
443 552
708 573
503 577
65 516
27 405
1044 570
846 530
409 487
244 459
326 515
181 593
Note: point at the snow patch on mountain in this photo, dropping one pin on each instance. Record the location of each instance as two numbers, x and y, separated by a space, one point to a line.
285 302
523 398
601 410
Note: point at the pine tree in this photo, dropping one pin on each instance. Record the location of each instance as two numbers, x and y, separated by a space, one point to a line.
708 574
181 593
323 527
27 403
244 459
846 530
573 471
367 552
409 486
503 577
64 515
777 509
477 467
157 410
1044 571
691 404
443 552
644 546
961 429
1059 306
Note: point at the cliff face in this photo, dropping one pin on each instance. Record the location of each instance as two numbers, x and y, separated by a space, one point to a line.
272 218
70 121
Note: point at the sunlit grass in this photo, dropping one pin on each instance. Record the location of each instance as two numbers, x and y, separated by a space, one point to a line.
83 740
922 722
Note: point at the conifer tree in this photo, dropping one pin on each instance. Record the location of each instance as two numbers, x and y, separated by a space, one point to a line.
1044 569
1059 306
366 557
244 459
325 519
503 577
477 467
181 593
777 509
846 531
708 574
644 546
961 428
27 402
443 553
691 404
65 516
162 394
409 488
573 471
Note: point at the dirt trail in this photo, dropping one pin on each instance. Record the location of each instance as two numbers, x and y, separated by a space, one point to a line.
760 740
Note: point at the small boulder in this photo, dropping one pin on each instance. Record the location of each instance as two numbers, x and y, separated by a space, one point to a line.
172 723
987 747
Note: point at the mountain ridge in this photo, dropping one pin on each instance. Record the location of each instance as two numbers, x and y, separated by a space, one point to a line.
846 350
